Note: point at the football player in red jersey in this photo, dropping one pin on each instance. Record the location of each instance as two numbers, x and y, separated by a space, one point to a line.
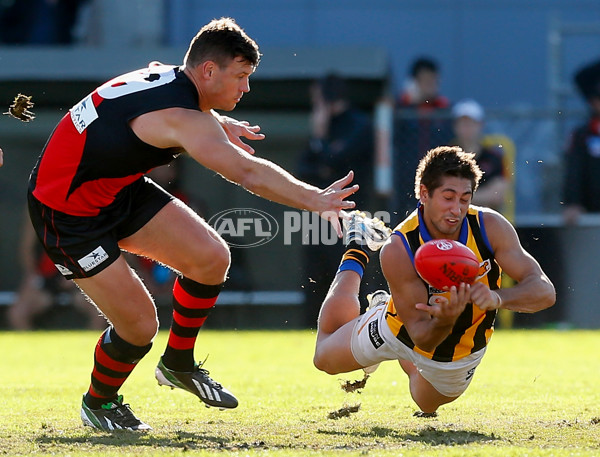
89 199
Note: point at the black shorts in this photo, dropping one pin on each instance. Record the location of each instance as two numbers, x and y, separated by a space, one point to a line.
82 246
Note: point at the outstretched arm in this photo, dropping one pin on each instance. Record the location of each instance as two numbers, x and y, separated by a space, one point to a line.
201 135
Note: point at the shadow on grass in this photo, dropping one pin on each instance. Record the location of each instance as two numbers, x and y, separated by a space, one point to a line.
428 435
123 438
432 436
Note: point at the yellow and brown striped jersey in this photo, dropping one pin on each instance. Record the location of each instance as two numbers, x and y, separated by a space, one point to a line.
474 327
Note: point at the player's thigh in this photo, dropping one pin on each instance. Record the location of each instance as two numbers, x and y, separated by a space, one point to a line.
121 296
425 395
178 237
333 352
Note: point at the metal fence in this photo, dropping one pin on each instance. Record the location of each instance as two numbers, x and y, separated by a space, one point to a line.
539 136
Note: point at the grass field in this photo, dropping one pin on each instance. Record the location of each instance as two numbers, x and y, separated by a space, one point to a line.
535 394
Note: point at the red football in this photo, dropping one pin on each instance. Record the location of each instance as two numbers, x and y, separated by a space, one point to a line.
446 263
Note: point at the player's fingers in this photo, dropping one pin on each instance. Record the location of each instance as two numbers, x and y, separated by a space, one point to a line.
347 191
333 218
335 223
431 310
462 293
344 215
337 197
343 182
479 295
453 293
456 297
251 128
456 303
348 204
251 132
249 149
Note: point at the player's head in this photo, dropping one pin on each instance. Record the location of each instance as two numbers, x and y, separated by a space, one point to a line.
220 41
220 60
445 181
446 161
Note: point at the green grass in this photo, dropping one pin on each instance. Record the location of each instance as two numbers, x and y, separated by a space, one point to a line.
535 394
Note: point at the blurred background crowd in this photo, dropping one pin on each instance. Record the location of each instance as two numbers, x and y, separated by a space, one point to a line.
368 86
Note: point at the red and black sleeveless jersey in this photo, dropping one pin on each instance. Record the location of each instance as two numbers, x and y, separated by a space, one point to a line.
93 153
474 327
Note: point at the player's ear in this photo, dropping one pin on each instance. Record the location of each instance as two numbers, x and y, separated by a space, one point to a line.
207 68
423 193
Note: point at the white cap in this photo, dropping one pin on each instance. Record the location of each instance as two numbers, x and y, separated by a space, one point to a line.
468 108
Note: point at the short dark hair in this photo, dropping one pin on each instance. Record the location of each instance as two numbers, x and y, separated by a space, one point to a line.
446 161
220 41
423 63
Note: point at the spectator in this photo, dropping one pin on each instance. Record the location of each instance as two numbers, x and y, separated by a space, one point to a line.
422 123
582 187
468 118
43 286
341 140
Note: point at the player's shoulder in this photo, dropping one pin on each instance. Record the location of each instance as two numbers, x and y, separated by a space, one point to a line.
182 116
487 215
486 212
498 229
395 252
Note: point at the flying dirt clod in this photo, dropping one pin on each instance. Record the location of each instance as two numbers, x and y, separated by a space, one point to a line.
20 108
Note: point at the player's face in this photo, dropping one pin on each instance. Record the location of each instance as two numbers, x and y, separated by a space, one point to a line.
445 208
230 83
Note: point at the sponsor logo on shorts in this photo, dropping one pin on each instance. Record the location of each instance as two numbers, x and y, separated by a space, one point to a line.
470 374
374 335
93 259
63 270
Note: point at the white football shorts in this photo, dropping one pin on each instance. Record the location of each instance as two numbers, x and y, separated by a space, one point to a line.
373 342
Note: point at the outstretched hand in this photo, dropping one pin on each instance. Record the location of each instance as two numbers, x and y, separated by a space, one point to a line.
235 129
334 201
1 158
